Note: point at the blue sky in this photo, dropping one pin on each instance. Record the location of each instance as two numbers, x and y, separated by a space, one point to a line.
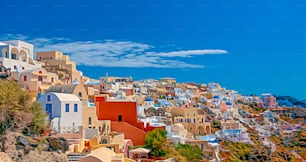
250 46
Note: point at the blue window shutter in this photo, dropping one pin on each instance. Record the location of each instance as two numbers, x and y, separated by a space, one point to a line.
75 107
67 107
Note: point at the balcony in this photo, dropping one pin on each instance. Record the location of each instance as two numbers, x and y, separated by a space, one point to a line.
67 129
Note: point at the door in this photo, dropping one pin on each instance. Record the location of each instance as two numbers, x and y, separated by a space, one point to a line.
49 110
120 118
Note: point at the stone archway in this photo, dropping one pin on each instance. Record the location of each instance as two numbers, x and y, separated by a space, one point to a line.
201 130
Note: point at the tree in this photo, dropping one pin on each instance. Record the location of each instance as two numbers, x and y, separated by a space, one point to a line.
17 111
216 124
192 153
156 140
39 118
172 153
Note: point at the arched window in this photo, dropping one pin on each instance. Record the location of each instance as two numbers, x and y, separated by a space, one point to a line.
89 121
23 56
207 129
79 94
14 53
104 141
40 78
5 53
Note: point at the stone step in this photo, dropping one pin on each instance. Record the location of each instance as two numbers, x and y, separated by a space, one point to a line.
75 157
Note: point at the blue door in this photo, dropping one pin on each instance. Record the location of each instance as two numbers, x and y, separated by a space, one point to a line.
49 110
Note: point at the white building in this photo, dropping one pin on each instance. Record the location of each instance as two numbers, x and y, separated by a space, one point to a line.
65 111
17 55
148 103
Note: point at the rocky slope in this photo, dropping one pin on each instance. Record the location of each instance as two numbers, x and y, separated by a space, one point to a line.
25 149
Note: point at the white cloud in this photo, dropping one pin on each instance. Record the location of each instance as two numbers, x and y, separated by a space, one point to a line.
111 53
188 53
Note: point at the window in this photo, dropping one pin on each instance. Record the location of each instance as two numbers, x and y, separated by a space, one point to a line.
48 98
40 78
24 78
89 121
14 56
4 52
75 107
67 107
104 141
52 80
79 94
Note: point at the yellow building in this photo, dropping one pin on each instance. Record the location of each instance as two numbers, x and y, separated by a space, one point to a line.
37 80
56 61
192 120
168 80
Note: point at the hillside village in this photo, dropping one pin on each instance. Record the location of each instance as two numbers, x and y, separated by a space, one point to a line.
109 119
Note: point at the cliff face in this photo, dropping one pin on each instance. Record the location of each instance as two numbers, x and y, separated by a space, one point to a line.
28 150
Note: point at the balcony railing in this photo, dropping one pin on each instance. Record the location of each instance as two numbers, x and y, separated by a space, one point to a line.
67 129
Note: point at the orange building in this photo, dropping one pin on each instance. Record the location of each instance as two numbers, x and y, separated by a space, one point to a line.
123 117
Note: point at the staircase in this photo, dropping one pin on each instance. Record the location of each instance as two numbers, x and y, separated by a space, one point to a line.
75 157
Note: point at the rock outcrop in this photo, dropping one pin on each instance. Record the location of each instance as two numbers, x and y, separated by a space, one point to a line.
21 148
59 144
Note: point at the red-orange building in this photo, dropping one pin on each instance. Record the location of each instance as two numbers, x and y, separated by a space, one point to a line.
123 116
